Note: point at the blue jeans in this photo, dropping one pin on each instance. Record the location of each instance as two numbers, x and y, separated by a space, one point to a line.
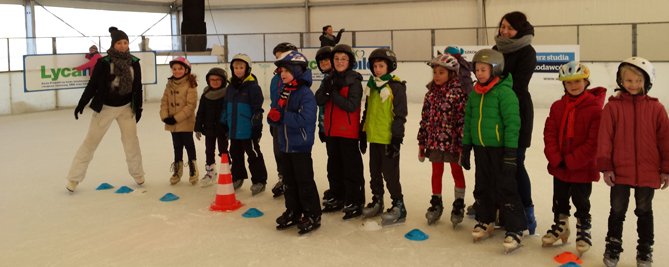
523 179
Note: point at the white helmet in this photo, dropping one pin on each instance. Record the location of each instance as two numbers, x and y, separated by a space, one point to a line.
642 64
447 61
572 71
242 57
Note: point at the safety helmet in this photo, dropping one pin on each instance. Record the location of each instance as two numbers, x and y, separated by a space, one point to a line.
344 48
642 64
284 47
181 61
447 61
323 53
293 58
218 72
491 57
572 71
242 57
383 54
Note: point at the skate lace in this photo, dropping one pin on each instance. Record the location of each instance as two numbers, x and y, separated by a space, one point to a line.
173 168
583 235
514 235
481 226
556 229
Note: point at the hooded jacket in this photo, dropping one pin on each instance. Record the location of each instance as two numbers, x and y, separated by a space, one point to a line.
633 140
298 123
179 101
242 111
570 136
443 117
341 94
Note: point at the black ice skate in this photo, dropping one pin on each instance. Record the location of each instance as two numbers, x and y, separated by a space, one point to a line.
352 211
374 208
287 219
278 189
395 214
458 212
308 224
434 212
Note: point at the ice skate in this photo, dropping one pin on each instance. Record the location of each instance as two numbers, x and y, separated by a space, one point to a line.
583 237
308 224
434 212
396 214
471 210
209 177
644 255
287 219
193 172
71 186
482 231
279 188
352 211
512 241
374 208
177 169
558 231
257 188
531 220
458 212
236 184
333 205
139 180
612 253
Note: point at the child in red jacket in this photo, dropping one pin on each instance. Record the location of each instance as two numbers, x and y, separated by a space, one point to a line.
633 152
570 138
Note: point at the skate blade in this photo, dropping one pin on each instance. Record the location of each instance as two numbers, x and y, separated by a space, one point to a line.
392 222
306 231
284 227
509 249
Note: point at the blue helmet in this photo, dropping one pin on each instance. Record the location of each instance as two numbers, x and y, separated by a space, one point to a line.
294 61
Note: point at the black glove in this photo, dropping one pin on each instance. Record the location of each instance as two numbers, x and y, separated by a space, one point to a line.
138 115
362 142
78 110
170 121
509 166
393 150
322 137
464 157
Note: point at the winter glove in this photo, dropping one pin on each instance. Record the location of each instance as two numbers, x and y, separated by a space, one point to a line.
464 157
421 153
362 142
274 115
198 135
322 137
78 110
393 150
509 166
170 121
138 115
610 178
665 180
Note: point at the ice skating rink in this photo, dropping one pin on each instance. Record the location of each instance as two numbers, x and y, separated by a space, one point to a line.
41 224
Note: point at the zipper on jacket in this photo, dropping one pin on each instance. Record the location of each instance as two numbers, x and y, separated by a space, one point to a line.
636 166
497 131
480 119
285 128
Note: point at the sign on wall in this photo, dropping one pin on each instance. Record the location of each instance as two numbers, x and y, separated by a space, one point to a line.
361 55
57 72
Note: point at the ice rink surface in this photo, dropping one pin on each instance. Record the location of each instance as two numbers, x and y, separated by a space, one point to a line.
41 224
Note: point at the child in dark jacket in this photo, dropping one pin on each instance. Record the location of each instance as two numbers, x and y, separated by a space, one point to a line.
295 119
633 153
207 122
341 93
242 115
570 138
383 124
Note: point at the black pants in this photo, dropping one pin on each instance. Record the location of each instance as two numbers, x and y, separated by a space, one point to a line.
181 140
620 195
277 150
496 189
523 179
579 194
210 140
256 161
345 166
337 187
301 194
381 167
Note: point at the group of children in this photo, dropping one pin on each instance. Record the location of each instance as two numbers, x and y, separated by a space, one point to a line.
627 139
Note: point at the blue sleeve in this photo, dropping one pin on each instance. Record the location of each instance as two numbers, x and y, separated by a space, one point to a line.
274 87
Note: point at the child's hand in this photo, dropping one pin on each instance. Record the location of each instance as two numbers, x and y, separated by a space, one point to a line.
198 135
665 180
609 178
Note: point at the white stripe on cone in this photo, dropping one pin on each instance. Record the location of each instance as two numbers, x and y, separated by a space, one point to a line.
225 189
224 168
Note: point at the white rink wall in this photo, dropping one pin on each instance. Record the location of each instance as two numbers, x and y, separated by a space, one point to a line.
13 99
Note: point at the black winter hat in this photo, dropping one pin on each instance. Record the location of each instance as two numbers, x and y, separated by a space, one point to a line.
519 22
117 35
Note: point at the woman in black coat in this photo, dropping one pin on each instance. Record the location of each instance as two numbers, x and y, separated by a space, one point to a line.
328 38
514 40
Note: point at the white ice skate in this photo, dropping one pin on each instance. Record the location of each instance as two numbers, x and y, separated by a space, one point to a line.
482 231
583 236
558 231
210 177
512 241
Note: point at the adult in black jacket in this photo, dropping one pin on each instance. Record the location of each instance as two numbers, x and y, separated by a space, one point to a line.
328 38
514 40
115 88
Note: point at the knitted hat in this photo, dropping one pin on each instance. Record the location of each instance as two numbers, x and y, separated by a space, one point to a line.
117 35
519 22
454 50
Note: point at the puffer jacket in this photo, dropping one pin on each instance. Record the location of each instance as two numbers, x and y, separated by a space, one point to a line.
341 94
443 117
208 117
492 119
633 140
570 136
179 101
298 122
384 120
242 111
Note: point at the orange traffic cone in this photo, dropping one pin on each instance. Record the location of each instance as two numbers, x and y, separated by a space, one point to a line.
225 192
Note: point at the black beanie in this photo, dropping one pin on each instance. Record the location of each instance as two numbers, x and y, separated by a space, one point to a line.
519 22
117 35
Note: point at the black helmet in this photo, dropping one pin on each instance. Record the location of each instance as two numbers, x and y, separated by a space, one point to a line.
323 53
344 48
284 47
218 72
384 54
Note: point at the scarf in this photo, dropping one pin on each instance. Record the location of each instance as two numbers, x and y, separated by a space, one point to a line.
508 45
122 63
567 123
484 88
285 93
213 93
379 83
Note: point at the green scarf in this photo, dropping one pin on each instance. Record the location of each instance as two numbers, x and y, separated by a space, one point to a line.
379 83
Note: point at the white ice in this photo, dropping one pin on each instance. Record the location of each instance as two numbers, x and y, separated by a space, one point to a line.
41 224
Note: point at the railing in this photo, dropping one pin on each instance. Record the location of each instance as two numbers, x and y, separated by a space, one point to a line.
598 42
